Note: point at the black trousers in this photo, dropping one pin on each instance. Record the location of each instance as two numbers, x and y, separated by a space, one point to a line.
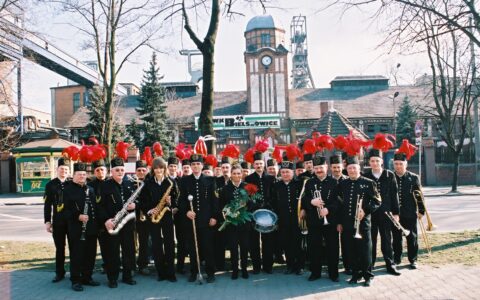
143 235
125 240
347 264
219 248
381 224
103 243
291 240
238 237
163 245
412 240
60 236
316 237
278 248
180 237
266 260
360 253
205 247
82 258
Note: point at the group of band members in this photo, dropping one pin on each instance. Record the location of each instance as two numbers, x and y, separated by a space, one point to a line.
343 209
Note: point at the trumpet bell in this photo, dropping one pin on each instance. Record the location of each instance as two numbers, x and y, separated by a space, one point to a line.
358 236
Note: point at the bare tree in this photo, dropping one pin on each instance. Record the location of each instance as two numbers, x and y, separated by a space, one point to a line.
115 30
4 4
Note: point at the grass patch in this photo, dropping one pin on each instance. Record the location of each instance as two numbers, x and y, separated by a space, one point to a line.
447 248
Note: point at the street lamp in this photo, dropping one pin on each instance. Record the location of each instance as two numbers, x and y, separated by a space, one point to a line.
395 95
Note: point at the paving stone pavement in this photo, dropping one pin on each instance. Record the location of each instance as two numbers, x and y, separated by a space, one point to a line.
446 282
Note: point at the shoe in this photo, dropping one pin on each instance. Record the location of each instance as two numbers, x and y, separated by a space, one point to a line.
210 278
256 271
368 282
192 278
244 274
91 282
288 271
393 271
299 272
172 278
348 271
77 287
112 284
144 271
235 275
58 278
413 265
353 280
129 281
314 277
397 261
334 279
280 260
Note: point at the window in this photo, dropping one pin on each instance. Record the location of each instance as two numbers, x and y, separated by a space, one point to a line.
85 99
370 128
265 40
76 102
383 127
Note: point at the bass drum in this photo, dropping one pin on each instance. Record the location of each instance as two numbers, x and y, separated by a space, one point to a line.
265 220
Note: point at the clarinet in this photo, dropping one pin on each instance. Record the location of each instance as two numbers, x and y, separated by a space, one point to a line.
85 212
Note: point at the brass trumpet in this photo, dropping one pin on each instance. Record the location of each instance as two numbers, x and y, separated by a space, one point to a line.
430 226
318 194
356 225
397 224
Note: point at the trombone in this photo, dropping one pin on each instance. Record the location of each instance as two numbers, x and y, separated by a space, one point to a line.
418 196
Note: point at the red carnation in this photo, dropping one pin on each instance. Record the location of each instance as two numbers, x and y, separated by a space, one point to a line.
251 189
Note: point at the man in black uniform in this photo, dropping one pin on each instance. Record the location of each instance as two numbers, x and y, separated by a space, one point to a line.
319 204
308 164
272 168
80 211
245 169
57 225
186 168
408 182
219 236
141 226
100 175
336 168
387 186
350 192
115 193
204 214
264 182
299 168
285 204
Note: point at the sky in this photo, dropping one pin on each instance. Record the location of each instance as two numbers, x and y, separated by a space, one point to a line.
339 44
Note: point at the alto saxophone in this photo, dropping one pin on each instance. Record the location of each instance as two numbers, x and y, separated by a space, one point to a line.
162 205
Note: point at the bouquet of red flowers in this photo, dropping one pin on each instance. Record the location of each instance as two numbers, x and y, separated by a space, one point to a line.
236 211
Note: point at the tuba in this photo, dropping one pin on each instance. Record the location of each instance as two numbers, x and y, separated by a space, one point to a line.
123 216
162 206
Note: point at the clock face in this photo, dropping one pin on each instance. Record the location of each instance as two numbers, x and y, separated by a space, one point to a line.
266 60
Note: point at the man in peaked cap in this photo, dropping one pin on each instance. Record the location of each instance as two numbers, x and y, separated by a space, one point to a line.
285 203
115 193
272 167
318 209
56 223
387 186
308 164
410 210
141 226
245 169
186 168
350 192
220 237
201 189
264 182
299 168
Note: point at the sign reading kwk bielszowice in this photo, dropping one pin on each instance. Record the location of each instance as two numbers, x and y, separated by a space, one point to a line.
244 122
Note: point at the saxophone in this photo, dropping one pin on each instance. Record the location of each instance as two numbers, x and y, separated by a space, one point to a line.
162 205
123 216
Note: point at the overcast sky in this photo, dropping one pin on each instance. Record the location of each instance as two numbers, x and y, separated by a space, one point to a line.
338 45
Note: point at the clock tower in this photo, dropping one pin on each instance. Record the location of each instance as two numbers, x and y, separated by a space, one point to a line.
266 65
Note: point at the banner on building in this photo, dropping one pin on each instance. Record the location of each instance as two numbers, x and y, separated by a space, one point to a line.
244 122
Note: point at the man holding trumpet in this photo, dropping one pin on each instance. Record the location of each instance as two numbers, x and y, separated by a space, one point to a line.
358 198
321 222
410 210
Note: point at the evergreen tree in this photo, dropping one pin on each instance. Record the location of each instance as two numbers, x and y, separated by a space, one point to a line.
406 118
135 133
152 109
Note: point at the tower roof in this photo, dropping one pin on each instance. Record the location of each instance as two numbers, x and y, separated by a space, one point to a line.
262 22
